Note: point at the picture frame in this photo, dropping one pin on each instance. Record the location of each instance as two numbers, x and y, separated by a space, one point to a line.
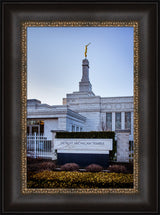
14 109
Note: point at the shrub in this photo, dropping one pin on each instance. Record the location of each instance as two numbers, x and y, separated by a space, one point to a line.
117 169
39 159
31 160
53 179
37 167
48 165
94 168
33 167
70 167
129 166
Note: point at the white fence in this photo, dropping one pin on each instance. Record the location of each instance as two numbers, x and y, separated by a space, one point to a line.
39 146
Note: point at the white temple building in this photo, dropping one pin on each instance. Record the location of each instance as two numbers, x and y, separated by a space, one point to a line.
81 111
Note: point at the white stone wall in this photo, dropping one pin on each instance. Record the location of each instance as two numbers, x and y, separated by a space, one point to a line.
73 122
62 123
94 108
92 121
117 104
64 116
50 124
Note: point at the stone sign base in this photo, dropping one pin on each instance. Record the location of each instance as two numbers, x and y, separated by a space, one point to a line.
123 145
83 159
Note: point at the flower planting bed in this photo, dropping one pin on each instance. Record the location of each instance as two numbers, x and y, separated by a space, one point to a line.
46 174
63 179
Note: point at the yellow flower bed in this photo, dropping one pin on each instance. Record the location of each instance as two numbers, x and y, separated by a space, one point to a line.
53 179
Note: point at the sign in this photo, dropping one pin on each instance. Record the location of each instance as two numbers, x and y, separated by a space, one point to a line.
96 146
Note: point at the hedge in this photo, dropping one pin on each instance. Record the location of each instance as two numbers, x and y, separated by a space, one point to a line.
91 134
52 179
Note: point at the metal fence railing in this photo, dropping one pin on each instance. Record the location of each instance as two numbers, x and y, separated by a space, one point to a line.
38 146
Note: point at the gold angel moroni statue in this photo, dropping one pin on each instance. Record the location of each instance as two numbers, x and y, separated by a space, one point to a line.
86 49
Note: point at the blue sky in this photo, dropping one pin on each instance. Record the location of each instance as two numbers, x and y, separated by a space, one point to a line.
54 61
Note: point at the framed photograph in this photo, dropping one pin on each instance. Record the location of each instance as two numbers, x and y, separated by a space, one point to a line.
88 118
79 84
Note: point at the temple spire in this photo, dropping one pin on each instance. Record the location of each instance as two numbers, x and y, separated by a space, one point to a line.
84 84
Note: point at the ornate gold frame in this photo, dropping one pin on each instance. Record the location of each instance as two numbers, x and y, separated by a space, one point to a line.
24 104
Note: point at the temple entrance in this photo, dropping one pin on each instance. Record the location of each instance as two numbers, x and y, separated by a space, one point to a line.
32 129
35 126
